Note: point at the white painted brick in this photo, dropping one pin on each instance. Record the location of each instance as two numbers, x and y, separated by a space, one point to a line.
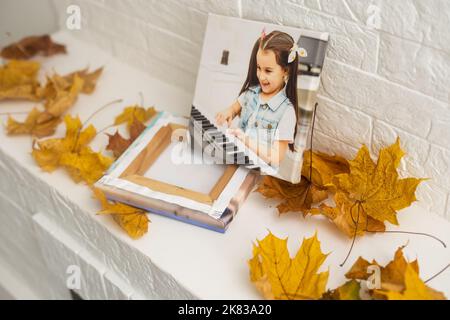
417 67
61 251
169 15
337 8
343 123
159 69
432 197
115 288
325 143
420 21
438 166
223 7
349 42
395 104
171 49
440 128
20 251
313 4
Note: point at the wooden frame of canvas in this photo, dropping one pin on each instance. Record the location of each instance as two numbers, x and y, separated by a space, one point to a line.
145 159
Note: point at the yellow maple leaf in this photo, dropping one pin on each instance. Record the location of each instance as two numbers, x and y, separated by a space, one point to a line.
348 216
133 220
61 101
30 125
18 80
377 187
134 112
415 289
371 193
323 167
395 278
72 152
277 276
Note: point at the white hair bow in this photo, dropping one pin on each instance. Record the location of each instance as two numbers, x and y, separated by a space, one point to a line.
294 50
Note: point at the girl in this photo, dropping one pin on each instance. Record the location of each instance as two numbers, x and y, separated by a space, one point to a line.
268 99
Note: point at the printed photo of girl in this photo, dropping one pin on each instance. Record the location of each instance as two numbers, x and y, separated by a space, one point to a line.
267 102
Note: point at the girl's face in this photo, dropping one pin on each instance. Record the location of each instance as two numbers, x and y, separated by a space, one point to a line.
270 74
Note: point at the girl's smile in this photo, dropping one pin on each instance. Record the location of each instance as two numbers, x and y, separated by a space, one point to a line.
270 74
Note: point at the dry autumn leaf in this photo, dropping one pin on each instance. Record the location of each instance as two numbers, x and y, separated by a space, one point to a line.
324 167
56 105
415 289
118 144
31 126
296 197
89 79
348 291
277 276
73 153
57 83
18 80
134 112
393 277
30 46
371 193
133 220
300 197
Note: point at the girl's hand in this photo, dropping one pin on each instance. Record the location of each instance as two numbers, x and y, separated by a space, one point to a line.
225 116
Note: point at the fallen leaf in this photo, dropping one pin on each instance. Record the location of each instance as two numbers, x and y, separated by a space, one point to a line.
85 165
324 167
31 126
133 220
73 153
62 101
118 144
18 80
134 112
89 79
348 291
348 216
277 276
377 187
415 289
393 276
30 46
302 196
371 193
295 197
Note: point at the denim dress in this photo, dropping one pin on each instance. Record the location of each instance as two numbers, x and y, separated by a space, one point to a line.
260 119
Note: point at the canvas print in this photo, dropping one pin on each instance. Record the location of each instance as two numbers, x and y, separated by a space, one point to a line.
255 93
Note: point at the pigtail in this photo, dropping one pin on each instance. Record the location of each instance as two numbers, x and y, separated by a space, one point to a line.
252 79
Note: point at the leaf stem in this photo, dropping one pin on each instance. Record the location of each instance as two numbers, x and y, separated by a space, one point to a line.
100 109
437 274
410 232
354 236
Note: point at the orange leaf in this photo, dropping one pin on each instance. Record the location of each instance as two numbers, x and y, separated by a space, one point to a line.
30 46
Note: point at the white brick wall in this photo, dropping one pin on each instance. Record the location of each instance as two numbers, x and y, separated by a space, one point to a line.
378 82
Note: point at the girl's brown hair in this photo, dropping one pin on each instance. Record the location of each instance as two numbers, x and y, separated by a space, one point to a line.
280 43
